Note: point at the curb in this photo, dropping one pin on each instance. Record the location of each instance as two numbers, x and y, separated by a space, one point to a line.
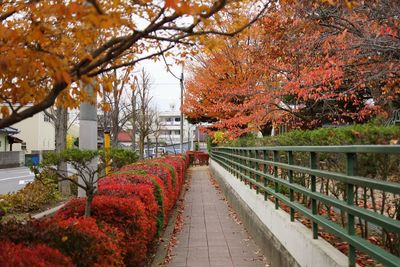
163 245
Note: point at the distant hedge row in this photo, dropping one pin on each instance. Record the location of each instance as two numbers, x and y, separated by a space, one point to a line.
359 134
128 212
376 166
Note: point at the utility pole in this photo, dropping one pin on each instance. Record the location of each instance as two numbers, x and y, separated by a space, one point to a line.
88 130
181 82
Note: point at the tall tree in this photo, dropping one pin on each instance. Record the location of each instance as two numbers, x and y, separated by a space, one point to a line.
307 65
59 118
116 106
144 114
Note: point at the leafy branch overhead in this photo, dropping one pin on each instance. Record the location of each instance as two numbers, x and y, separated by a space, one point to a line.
50 49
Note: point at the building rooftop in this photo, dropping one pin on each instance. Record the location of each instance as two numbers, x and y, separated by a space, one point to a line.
124 137
9 130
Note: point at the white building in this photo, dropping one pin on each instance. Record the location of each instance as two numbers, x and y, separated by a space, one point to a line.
37 134
170 129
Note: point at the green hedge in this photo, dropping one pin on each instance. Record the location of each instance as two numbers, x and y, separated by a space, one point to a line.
383 167
360 134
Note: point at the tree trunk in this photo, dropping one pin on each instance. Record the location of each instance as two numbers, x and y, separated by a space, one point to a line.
156 154
61 125
141 146
89 200
148 146
133 122
115 127
266 129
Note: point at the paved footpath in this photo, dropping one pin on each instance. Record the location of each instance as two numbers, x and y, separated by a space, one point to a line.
210 235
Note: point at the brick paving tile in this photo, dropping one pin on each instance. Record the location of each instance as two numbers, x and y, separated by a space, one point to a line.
210 236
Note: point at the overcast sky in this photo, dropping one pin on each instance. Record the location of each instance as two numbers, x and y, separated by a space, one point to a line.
165 87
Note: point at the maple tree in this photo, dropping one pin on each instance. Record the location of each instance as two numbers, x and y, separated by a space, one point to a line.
226 89
304 65
50 49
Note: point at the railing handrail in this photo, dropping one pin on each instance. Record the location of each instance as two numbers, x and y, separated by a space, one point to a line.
386 149
245 163
356 180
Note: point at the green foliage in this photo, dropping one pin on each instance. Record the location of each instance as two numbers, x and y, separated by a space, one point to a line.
119 157
383 167
210 143
75 156
358 134
159 198
32 197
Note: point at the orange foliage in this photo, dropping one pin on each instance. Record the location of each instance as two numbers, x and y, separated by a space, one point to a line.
50 49
303 64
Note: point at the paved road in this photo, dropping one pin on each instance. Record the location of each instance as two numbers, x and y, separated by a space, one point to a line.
14 179
210 235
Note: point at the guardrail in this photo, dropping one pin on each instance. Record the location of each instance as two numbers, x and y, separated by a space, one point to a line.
272 171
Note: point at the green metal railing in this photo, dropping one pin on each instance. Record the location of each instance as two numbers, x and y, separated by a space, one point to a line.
270 170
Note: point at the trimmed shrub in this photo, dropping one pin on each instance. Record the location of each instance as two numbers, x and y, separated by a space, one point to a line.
12 255
80 238
164 174
119 157
30 198
129 209
126 214
148 188
358 134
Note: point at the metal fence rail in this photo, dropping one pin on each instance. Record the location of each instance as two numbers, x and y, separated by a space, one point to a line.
262 168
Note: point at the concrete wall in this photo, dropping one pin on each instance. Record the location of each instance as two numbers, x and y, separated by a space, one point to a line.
11 159
4 146
284 243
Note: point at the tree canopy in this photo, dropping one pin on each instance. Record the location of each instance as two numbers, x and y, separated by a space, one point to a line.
304 65
49 49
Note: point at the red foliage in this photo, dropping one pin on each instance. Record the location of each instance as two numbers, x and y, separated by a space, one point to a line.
80 238
164 174
140 186
144 192
34 256
127 211
127 214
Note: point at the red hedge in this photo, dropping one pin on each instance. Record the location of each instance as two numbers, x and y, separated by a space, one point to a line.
128 210
164 174
127 214
13 255
80 238
140 186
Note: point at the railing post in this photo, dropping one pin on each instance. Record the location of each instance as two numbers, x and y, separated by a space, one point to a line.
249 165
276 185
241 164
291 192
351 167
229 161
314 207
257 168
235 162
265 170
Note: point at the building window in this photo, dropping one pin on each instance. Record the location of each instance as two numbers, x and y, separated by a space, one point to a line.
177 119
177 132
168 119
46 118
23 146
